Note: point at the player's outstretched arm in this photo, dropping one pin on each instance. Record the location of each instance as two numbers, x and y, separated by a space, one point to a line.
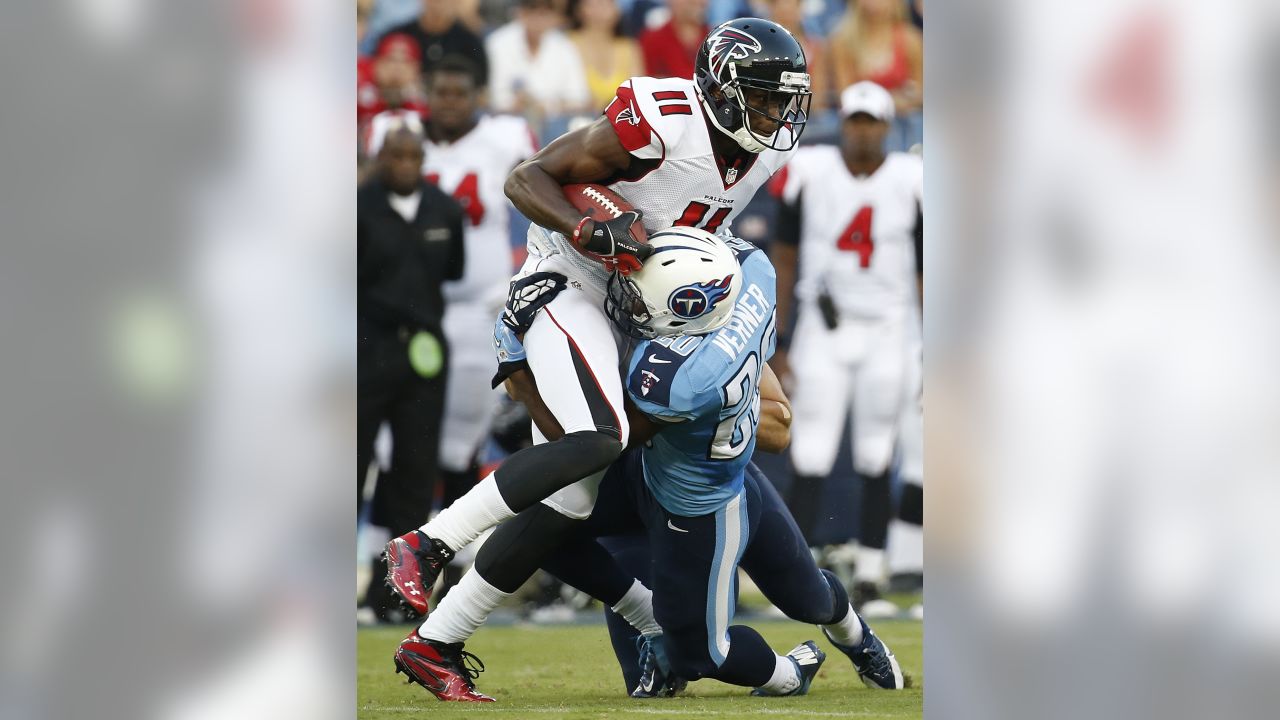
586 155
774 432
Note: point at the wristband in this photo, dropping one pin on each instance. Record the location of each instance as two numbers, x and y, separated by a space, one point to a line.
577 231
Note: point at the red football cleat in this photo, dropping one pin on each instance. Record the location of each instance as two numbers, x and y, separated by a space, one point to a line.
444 669
414 561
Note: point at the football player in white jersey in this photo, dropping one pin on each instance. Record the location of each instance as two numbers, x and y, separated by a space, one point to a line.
851 217
469 155
686 152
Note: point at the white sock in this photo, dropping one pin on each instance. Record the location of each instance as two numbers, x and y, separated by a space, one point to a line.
636 607
470 515
905 547
463 610
847 632
871 566
786 677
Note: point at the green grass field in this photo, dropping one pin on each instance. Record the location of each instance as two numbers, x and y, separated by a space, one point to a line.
570 672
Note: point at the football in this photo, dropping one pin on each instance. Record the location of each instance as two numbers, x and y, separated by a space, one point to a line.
600 203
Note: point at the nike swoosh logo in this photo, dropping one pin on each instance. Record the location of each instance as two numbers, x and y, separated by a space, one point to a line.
654 359
673 527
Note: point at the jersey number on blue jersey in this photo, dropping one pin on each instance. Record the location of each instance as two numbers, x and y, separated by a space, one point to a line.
741 403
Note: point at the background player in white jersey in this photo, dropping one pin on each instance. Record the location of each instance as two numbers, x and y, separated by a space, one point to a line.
850 217
469 156
682 151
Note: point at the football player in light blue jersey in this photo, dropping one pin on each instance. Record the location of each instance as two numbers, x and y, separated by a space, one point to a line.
699 393
711 382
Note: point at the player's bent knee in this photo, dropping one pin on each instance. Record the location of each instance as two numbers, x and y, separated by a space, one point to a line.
823 607
593 450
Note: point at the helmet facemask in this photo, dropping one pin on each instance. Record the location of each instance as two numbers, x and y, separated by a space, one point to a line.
792 98
624 304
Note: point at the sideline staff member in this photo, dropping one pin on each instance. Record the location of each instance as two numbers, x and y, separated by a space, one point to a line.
409 236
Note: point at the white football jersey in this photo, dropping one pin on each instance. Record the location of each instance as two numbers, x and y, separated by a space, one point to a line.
473 170
683 182
857 233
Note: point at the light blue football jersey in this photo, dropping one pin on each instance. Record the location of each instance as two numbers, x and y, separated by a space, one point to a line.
710 384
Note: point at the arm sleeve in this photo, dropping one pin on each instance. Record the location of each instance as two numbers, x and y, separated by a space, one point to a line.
788 231
917 189
785 186
631 126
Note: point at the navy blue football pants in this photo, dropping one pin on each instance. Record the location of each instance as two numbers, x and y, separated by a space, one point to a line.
690 564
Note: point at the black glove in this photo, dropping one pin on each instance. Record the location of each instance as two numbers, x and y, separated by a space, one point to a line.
526 297
611 241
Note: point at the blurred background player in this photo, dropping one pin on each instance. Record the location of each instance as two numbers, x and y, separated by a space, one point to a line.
409 242
469 156
850 221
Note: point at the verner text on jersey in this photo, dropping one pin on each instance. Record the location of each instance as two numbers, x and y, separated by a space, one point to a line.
747 316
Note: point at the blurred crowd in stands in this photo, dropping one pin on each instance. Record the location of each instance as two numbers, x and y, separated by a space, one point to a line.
552 61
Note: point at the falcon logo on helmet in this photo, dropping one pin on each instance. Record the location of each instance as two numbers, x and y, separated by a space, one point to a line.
753 70
729 43
696 300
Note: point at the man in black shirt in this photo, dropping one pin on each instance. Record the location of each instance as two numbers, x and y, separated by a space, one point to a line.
409 236
440 33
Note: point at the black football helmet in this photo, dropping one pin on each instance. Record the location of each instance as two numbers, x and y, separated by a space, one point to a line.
750 53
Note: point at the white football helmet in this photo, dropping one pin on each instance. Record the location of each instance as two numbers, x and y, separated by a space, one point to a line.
686 287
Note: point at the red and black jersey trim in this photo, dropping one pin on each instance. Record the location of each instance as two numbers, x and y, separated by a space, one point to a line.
603 415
